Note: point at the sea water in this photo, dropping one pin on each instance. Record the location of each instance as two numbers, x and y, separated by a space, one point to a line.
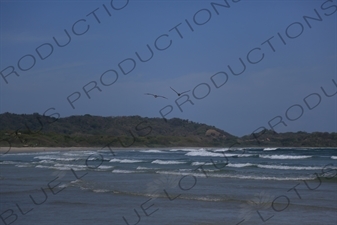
170 186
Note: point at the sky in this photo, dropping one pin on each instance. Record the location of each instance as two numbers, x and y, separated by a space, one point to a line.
244 64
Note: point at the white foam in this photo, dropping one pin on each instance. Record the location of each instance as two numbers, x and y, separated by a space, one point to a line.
240 165
56 168
94 158
289 167
181 173
206 199
101 191
46 167
63 167
123 171
228 149
78 181
145 168
201 163
185 170
80 153
130 161
333 157
236 176
8 162
70 165
126 160
184 149
231 155
101 167
204 153
48 157
284 157
167 162
247 155
71 154
24 165
44 161
260 177
17 164
152 151
63 185
269 149
221 150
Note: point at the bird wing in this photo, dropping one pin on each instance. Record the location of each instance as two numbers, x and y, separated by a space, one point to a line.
161 96
148 94
185 92
174 90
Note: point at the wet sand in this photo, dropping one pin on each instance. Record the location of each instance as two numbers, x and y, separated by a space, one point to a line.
3 150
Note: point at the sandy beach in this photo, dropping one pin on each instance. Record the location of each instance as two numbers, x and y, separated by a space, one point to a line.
3 150
6 150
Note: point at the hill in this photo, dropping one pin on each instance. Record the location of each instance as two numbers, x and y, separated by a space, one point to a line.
87 130
126 131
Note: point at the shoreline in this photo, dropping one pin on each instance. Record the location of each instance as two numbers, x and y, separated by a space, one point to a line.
3 150
43 149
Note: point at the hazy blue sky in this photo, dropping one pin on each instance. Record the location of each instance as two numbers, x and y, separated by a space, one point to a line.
291 57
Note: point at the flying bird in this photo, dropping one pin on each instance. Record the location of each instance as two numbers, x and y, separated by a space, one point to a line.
156 96
179 93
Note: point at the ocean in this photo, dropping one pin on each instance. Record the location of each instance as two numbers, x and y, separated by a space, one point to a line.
198 186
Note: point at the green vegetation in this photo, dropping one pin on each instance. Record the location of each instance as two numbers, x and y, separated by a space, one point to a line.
94 131
289 139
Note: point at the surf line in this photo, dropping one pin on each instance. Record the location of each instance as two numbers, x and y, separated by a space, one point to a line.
44 51
146 208
253 57
161 43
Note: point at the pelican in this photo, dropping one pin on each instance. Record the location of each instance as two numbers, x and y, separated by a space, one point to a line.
156 96
179 93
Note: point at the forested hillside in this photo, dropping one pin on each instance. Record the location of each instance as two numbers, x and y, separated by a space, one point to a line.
126 131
